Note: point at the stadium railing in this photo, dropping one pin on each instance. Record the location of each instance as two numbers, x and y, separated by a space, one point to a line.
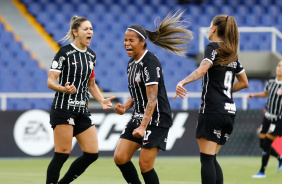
204 31
122 95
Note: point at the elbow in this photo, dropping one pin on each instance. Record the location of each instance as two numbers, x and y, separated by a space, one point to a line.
48 84
246 84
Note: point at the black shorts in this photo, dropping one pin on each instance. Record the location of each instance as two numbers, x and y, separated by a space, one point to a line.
80 121
265 125
155 137
215 127
275 128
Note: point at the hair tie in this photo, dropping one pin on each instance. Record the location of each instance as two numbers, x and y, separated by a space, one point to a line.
226 18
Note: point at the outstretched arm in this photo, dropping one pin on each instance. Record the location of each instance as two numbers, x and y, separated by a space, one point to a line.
95 92
195 75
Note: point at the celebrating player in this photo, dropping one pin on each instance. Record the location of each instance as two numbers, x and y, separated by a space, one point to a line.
217 112
151 118
74 66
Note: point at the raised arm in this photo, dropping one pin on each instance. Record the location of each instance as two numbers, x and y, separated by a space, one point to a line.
195 75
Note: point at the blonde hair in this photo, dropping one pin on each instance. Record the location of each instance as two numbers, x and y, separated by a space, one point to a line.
74 25
171 34
227 30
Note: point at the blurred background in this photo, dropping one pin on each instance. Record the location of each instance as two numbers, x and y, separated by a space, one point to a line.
29 35
30 31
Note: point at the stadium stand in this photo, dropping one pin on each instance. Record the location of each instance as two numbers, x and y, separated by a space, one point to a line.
110 18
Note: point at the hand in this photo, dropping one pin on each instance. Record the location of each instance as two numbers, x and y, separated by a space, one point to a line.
120 109
106 104
139 132
250 96
180 91
70 89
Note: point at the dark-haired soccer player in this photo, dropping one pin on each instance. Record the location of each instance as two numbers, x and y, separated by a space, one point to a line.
151 118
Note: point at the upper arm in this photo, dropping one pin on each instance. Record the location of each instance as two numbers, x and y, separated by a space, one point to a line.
204 66
152 92
53 75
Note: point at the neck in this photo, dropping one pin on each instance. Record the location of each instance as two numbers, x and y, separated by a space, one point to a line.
279 78
138 56
79 45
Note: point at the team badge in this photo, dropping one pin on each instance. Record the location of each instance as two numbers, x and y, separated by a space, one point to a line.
55 64
91 65
279 91
138 78
71 121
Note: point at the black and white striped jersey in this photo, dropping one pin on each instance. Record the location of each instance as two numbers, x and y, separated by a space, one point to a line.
148 71
273 109
76 66
217 84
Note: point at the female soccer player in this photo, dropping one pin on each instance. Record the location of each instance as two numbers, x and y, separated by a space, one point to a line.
151 118
272 123
217 112
74 66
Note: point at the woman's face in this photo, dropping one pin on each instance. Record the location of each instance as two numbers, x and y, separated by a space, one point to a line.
279 69
211 31
84 34
133 45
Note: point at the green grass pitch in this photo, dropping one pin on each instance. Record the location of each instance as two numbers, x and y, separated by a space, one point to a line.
171 170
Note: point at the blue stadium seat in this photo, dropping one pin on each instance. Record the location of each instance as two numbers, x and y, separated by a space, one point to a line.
273 10
258 10
227 10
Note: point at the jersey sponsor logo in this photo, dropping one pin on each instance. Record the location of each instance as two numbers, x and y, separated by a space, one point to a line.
147 75
71 121
232 65
158 72
60 62
71 52
90 54
55 64
217 133
279 91
213 54
230 107
138 78
91 64
32 133
76 103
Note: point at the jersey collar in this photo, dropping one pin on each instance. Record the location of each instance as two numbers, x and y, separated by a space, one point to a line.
78 48
141 56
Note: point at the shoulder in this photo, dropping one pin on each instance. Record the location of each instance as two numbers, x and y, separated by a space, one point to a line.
91 53
150 57
67 50
213 45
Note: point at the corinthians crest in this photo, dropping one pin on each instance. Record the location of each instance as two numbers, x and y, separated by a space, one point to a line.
138 78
